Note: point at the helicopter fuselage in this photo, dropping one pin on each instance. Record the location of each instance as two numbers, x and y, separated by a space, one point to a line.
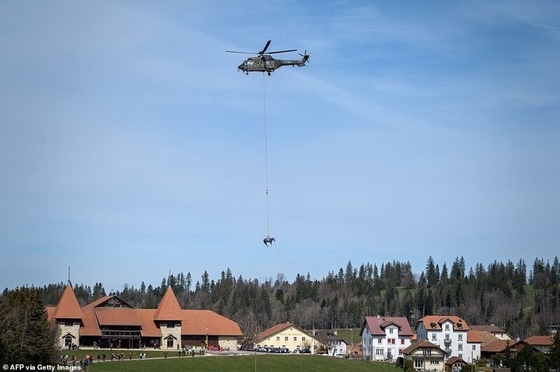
267 63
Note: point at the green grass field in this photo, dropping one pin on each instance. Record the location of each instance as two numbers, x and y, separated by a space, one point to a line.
349 335
233 363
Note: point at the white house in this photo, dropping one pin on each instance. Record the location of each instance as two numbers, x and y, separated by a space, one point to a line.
452 334
334 345
385 337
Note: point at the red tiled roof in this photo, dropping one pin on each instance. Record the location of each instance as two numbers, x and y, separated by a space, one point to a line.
423 344
107 316
68 306
539 340
453 360
276 329
434 322
499 345
99 301
377 325
50 312
487 337
202 322
193 322
90 328
474 337
168 308
149 328
488 328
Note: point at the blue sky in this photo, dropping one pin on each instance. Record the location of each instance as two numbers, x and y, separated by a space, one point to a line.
130 146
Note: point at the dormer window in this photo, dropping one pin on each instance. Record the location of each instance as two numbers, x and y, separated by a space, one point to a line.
170 325
447 327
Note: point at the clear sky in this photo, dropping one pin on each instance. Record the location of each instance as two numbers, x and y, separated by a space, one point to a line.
130 145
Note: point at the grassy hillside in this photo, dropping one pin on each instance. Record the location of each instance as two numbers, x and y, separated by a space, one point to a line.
349 336
263 362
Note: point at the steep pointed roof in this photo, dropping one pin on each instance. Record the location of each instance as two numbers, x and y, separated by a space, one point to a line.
168 308
68 306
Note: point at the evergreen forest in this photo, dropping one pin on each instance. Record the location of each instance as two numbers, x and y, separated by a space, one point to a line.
521 300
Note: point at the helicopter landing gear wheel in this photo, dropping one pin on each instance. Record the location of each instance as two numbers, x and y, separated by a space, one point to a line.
269 73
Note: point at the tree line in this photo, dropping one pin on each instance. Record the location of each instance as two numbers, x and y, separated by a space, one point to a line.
522 301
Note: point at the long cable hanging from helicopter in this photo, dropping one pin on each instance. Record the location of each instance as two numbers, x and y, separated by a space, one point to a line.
268 239
265 63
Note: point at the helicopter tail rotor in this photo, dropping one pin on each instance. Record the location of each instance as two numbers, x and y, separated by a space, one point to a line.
305 57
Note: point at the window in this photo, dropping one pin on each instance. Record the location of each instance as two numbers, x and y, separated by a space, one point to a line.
69 323
434 337
286 338
170 342
402 341
302 338
418 363
391 330
170 325
460 337
427 353
277 338
379 341
447 327
474 347
434 362
378 351
460 347
295 338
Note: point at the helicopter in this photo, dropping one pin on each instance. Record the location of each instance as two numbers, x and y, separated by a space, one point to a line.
266 63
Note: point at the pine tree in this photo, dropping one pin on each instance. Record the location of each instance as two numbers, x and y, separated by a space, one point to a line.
25 334
553 356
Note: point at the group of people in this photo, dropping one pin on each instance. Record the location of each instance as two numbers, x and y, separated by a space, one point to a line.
82 361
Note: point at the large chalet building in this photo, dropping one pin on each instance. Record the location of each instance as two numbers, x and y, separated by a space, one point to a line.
111 322
452 334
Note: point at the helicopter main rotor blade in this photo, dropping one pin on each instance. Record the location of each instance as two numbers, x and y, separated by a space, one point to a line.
283 51
265 47
234 51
